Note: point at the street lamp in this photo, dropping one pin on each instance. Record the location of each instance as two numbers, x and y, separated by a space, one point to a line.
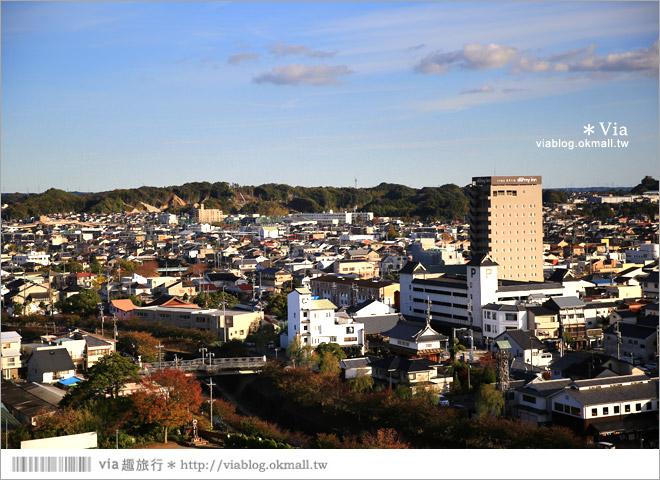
277 349
210 355
203 351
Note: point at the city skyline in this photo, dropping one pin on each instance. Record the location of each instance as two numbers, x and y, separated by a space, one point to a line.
105 95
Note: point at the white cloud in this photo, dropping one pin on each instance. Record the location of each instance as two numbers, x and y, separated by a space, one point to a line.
484 89
477 57
473 57
644 59
296 74
281 49
588 60
237 58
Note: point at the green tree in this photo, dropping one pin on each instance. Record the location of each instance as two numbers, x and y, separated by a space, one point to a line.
215 300
278 306
106 377
201 299
392 234
260 335
302 355
139 344
328 364
83 303
94 265
70 266
402 392
332 348
454 349
489 401
361 383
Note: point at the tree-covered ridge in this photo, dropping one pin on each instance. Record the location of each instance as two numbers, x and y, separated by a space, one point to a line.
445 202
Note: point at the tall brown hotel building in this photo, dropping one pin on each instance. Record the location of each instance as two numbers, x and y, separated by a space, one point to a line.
506 222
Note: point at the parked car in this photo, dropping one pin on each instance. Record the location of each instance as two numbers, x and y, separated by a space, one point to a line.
604 445
651 367
442 401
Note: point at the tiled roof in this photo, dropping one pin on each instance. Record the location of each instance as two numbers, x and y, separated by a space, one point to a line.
629 330
413 332
405 364
53 360
376 324
615 394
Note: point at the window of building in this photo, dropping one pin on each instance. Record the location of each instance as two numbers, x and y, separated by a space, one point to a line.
594 412
529 399
638 407
626 408
616 409
606 411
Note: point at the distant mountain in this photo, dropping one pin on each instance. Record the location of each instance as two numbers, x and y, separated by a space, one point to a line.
385 200
428 203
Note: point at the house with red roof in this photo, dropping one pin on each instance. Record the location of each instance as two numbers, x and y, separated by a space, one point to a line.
122 309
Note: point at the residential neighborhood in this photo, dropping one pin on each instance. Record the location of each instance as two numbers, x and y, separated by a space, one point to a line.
428 313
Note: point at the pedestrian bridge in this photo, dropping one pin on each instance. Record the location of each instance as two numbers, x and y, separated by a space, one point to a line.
211 366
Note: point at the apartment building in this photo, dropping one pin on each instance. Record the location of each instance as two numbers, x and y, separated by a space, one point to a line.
506 222
345 292
227 324
204 215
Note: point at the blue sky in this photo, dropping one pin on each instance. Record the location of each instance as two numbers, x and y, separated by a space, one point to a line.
104 95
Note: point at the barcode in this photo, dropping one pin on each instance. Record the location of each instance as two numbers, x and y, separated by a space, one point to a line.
51 464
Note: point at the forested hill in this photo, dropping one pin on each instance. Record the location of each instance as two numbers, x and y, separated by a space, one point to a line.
387 199
441 203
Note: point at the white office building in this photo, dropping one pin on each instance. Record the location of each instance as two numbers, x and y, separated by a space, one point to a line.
457 299
315 321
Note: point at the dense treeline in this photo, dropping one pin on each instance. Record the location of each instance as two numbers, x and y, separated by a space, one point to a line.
445 202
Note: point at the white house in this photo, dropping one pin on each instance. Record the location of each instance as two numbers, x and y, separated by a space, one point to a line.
11 354
314 320
268 232
645 252
525 347
31 256
49 365
608 406
498 318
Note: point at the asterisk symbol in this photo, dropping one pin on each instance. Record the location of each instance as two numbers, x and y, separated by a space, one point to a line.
171 465
588 129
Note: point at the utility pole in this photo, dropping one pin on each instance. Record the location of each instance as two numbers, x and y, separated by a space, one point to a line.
160 355
114 319
211 385
224 314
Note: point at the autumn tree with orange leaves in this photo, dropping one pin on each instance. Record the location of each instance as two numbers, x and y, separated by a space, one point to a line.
168 398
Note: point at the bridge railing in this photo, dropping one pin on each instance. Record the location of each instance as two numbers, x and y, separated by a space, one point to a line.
206 364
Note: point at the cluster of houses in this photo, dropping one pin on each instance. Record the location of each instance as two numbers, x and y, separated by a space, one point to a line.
581 343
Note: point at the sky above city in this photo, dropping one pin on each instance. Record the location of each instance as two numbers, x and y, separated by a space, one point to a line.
104 95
